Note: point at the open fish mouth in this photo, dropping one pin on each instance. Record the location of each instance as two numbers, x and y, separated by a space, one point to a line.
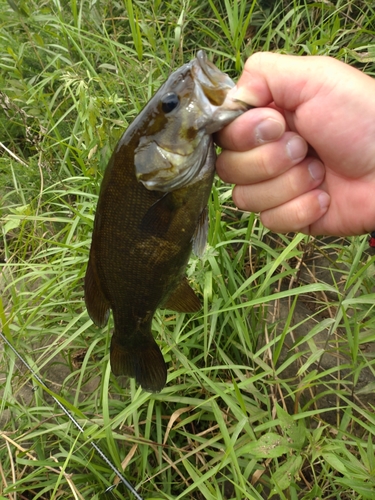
214 83
211 90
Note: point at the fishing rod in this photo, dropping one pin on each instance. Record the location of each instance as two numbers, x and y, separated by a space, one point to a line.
74 421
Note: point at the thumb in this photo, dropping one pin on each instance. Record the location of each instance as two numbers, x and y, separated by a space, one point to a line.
288 81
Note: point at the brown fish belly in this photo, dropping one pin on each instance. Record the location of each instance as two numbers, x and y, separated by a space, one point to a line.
141 244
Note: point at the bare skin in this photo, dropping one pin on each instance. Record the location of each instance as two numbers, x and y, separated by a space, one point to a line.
305 157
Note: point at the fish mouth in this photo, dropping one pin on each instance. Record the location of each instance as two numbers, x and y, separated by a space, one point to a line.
212 87
214 83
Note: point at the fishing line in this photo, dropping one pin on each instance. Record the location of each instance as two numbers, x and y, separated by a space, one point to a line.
74 421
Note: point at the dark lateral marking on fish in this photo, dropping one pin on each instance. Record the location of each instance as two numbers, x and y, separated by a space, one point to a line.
188 133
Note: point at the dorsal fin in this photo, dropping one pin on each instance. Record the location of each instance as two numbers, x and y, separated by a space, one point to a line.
183 298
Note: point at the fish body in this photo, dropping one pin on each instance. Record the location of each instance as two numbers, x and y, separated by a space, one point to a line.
151 212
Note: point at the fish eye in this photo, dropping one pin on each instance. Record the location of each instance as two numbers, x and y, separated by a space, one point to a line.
169 102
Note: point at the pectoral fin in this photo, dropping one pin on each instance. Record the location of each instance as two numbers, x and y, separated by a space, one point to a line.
201 233
158 217
97 305
183 299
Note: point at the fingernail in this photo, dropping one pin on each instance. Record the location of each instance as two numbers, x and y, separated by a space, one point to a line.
324 200
232 92
296 148
242 94
316 170
269 130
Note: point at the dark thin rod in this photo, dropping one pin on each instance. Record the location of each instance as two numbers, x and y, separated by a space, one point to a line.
72 419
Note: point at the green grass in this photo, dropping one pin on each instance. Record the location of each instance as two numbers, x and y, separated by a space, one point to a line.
270 389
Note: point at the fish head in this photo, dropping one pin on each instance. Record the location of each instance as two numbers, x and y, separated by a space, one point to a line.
179 122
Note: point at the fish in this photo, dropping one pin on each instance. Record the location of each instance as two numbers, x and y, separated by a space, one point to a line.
152 212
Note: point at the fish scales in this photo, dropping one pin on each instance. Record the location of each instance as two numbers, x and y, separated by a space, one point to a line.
151 211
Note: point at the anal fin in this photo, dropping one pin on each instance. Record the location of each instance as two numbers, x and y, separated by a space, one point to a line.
183 299
97 305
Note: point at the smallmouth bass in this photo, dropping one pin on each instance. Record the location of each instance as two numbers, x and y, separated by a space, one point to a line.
152 212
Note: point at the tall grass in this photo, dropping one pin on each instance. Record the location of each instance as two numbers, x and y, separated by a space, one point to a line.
270 387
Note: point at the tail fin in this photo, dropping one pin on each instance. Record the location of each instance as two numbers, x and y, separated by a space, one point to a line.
145 363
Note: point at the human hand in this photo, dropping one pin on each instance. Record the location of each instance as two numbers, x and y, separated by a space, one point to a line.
305 157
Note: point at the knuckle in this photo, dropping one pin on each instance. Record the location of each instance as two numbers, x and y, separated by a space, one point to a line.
294 181
222 166
270 168
240 198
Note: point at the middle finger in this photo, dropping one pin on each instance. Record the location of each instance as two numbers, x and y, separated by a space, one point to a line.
262 163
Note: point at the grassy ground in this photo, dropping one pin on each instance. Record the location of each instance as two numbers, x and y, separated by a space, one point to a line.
270 387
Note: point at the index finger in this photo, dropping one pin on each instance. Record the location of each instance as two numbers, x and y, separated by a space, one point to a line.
255 127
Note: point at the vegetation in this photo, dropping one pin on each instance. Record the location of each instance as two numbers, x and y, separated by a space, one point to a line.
270 391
